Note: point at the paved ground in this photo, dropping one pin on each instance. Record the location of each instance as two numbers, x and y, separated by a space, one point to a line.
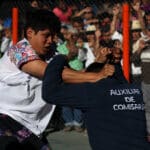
61 140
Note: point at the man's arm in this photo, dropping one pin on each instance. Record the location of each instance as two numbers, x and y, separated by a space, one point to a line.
38 67
72 76
55 91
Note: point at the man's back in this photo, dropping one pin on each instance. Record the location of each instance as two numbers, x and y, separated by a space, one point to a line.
114 112
118 119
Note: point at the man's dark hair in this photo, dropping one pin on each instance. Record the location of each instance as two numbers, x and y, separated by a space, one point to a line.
95 67
108 43
77 19
104 15
41 19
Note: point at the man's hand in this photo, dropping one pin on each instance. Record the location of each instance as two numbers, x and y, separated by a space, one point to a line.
101 54
108 70
72 76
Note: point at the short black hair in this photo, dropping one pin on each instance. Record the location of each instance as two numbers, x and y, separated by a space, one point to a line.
41 19
104 15
95 67
105 43
77 19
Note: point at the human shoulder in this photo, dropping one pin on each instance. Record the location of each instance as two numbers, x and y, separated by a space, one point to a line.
21 53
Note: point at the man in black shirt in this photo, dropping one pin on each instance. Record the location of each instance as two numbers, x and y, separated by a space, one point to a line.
113 110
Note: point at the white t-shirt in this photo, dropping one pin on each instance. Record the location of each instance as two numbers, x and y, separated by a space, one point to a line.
20 92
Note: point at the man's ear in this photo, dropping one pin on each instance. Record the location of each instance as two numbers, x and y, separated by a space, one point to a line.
30 33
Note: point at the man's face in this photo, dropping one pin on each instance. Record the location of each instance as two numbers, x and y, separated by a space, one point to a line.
90 37
105 21
78 26
63 6
117 54
7 32
135 35
40 41
106 36
118 44
68 35
148 19
88 14
34 4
